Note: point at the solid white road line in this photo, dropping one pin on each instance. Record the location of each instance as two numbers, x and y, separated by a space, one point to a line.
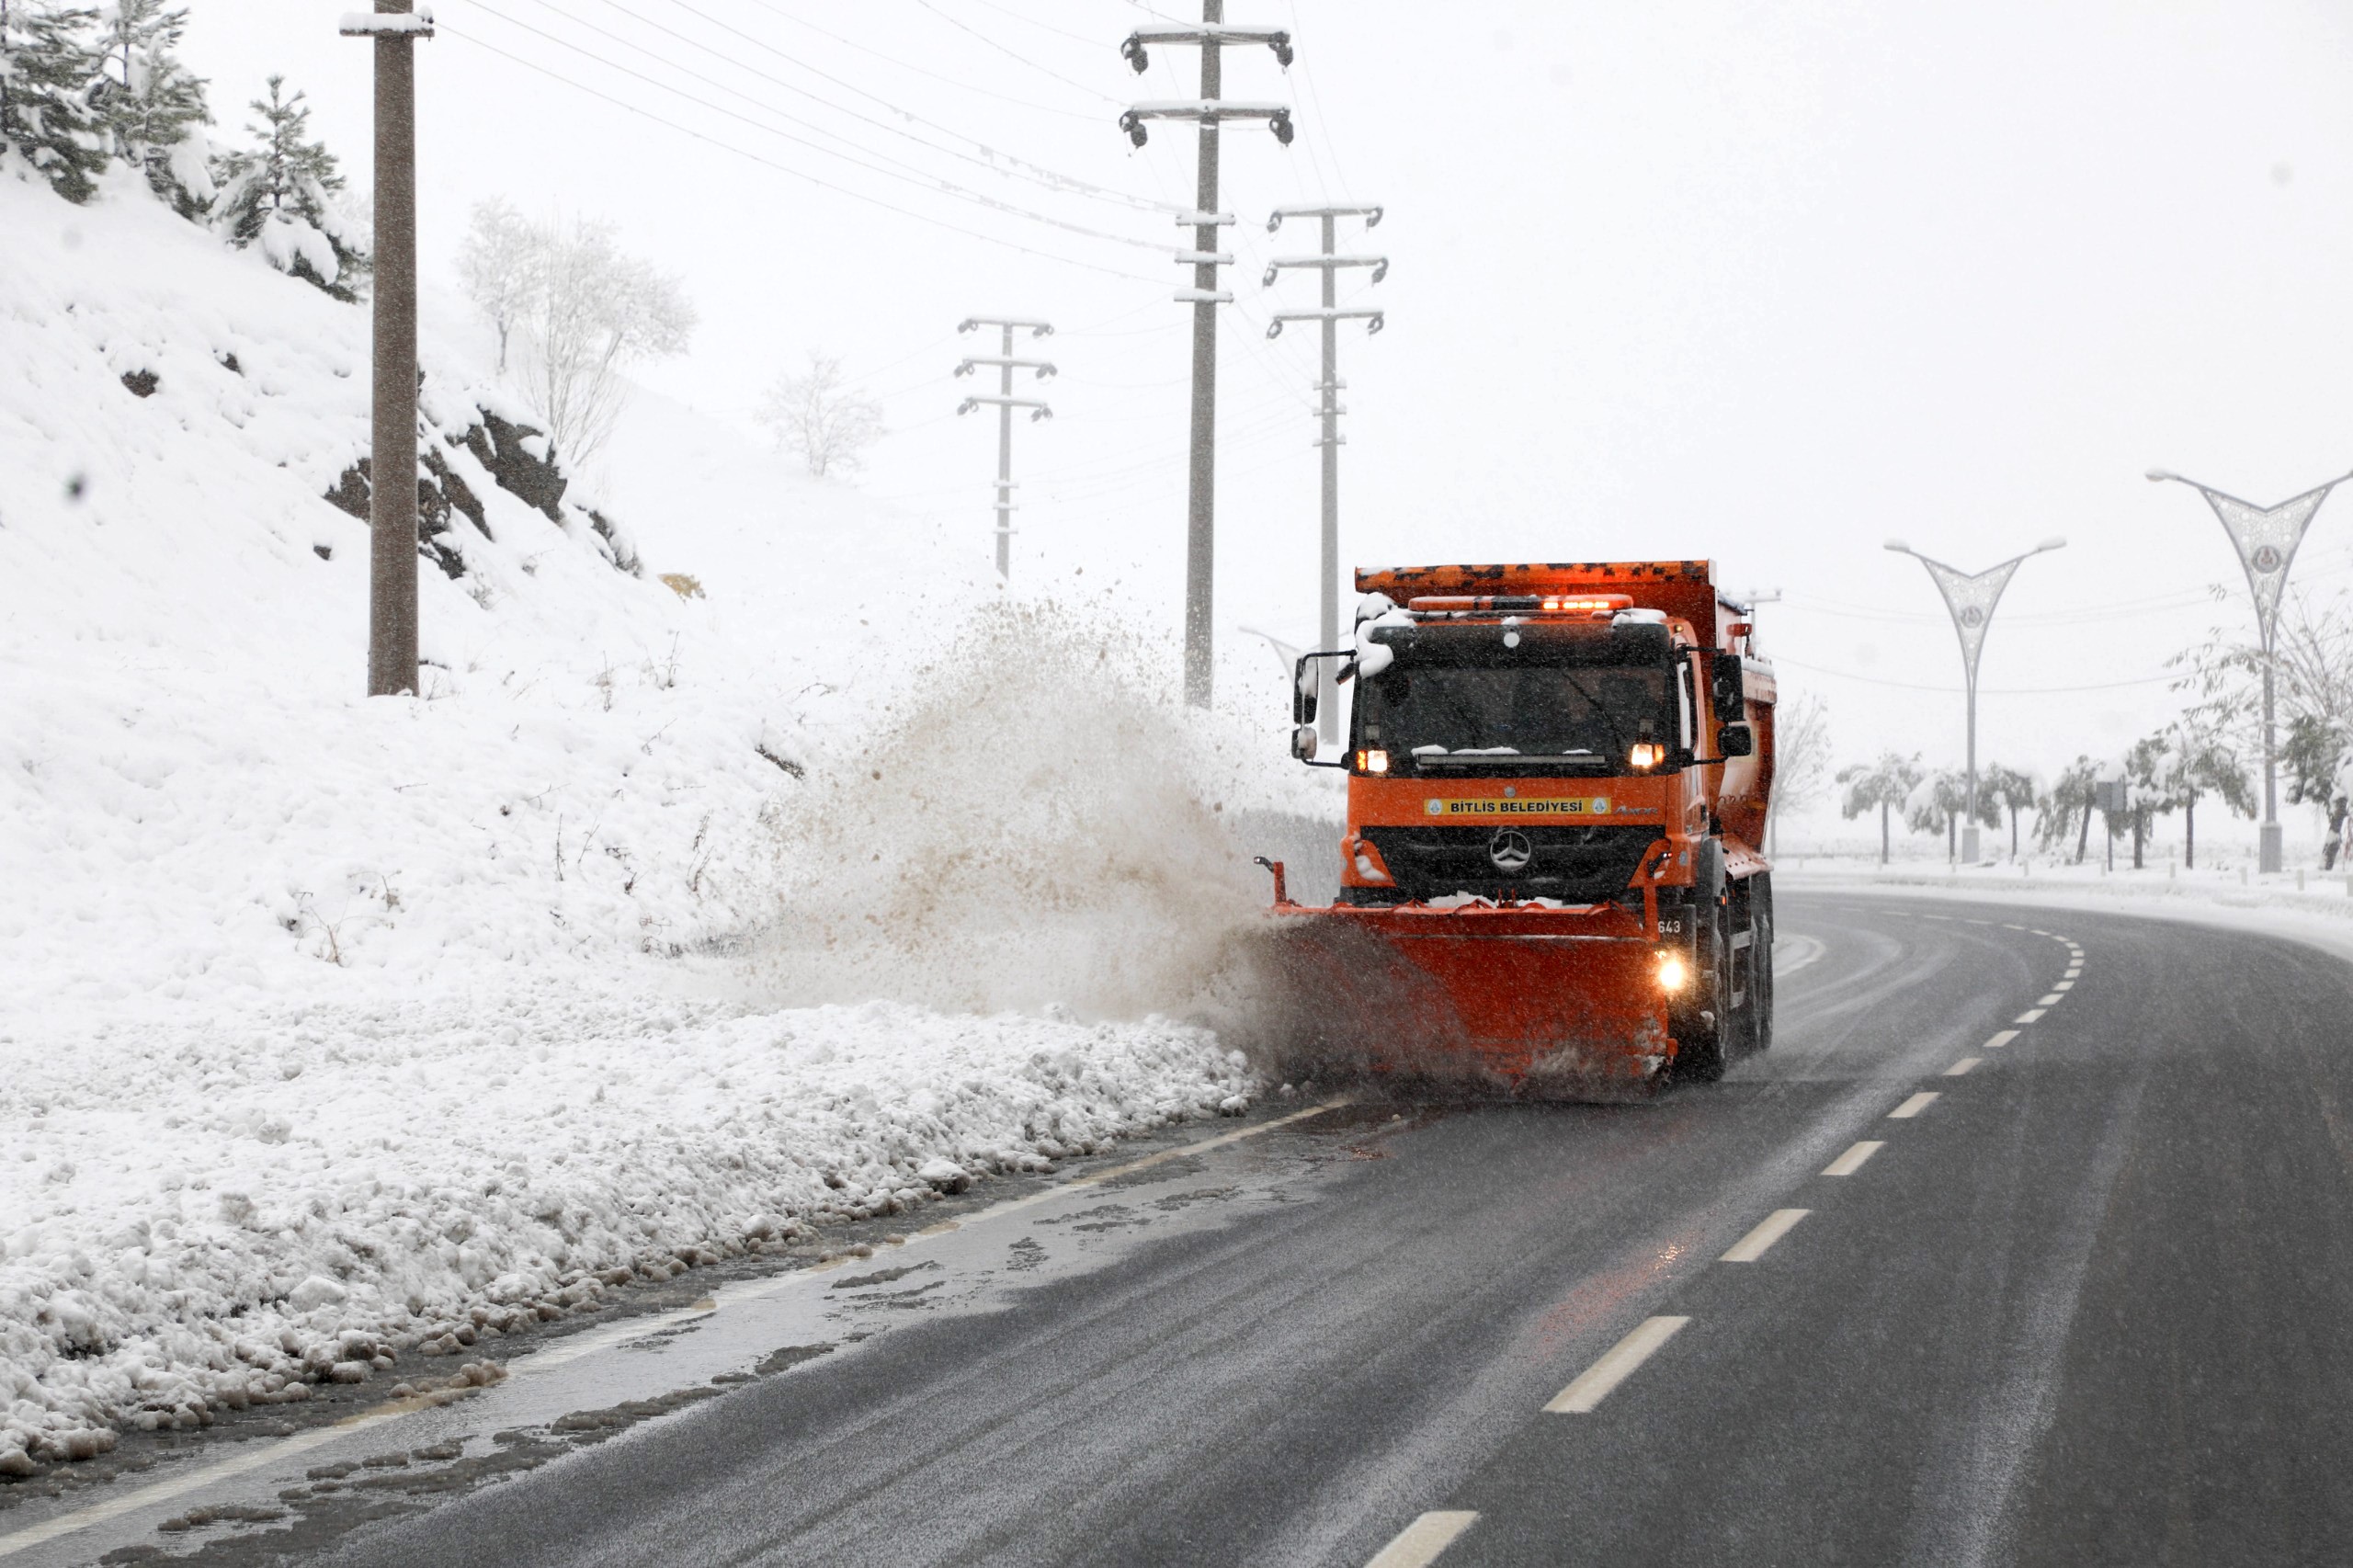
260 1454
1914 1106
2050 1001
1964 1065
1776 1225
2001 1040
1618 1364
2027 1016
1852 1160
1419 1543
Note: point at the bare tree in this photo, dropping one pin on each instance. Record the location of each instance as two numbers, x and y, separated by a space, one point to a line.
820 417
2314 677
580 313
1801 758
501 264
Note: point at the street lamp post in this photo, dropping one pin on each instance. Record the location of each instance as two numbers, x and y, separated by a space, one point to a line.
2266 538
1970 597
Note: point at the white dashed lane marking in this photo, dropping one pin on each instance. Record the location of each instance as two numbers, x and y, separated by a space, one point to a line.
1776 1225
1419 1543
1616 1364
2027 1016
1852 1160
1962 1066
2001 1040
1914 1106
2050 1001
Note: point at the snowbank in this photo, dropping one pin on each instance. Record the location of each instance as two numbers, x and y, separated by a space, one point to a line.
201 1217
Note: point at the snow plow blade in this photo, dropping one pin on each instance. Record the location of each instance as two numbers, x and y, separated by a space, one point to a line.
1514 999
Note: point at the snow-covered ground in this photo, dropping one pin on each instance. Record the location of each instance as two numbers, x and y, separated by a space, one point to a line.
659 926
2301 900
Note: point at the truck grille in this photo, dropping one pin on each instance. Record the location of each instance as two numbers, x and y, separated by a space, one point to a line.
1576 864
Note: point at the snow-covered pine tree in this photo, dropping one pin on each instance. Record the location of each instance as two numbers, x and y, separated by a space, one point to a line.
280 194
47 70
153 105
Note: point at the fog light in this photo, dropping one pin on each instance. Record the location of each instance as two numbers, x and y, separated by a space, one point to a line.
1671 973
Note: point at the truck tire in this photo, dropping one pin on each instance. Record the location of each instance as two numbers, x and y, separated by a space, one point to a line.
1700 1055
1761 981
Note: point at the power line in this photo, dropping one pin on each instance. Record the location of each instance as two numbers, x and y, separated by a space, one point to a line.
1052 178
1989 691
818 181
889 60
1014 55
1047 26
1004 164
919 178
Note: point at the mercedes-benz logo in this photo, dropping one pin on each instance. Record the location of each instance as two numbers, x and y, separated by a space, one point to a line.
1510 850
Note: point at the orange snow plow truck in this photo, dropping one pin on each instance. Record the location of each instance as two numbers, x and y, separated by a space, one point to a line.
1551 881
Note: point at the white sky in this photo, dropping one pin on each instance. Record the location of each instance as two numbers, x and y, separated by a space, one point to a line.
1768 284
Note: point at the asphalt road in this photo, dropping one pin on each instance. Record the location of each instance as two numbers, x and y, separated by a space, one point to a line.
2087 1305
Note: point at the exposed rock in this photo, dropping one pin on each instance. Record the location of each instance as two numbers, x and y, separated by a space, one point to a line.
142 383
504 450
518 459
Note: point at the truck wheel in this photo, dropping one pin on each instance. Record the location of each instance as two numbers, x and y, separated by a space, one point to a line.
1700 1056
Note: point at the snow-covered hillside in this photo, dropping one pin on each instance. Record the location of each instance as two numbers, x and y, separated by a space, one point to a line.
661 925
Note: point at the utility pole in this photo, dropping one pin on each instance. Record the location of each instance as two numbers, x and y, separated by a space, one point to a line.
1329 262
1006 404
2266 538
1208 111
1971 597
391 502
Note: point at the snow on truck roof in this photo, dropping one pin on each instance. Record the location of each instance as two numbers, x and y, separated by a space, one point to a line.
1683 589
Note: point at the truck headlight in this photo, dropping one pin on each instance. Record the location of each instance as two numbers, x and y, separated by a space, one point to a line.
1672 973
1646 754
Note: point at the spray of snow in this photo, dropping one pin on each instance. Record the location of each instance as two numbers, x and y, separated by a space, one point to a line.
1037 824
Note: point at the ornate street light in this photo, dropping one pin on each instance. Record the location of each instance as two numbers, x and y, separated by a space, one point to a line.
1970 597
2266 538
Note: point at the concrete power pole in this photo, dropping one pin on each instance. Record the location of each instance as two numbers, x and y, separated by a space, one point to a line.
1208 111
391 505
1329 262
1006 404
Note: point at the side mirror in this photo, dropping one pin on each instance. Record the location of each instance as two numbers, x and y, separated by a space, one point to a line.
1727 690
1735 740
1303 703
1303 739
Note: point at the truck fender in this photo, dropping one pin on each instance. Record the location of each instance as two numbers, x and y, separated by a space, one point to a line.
1707 871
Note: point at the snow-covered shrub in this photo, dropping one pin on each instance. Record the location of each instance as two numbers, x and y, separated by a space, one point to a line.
280 195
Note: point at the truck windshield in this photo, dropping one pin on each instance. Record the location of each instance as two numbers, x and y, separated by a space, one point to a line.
1591 713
